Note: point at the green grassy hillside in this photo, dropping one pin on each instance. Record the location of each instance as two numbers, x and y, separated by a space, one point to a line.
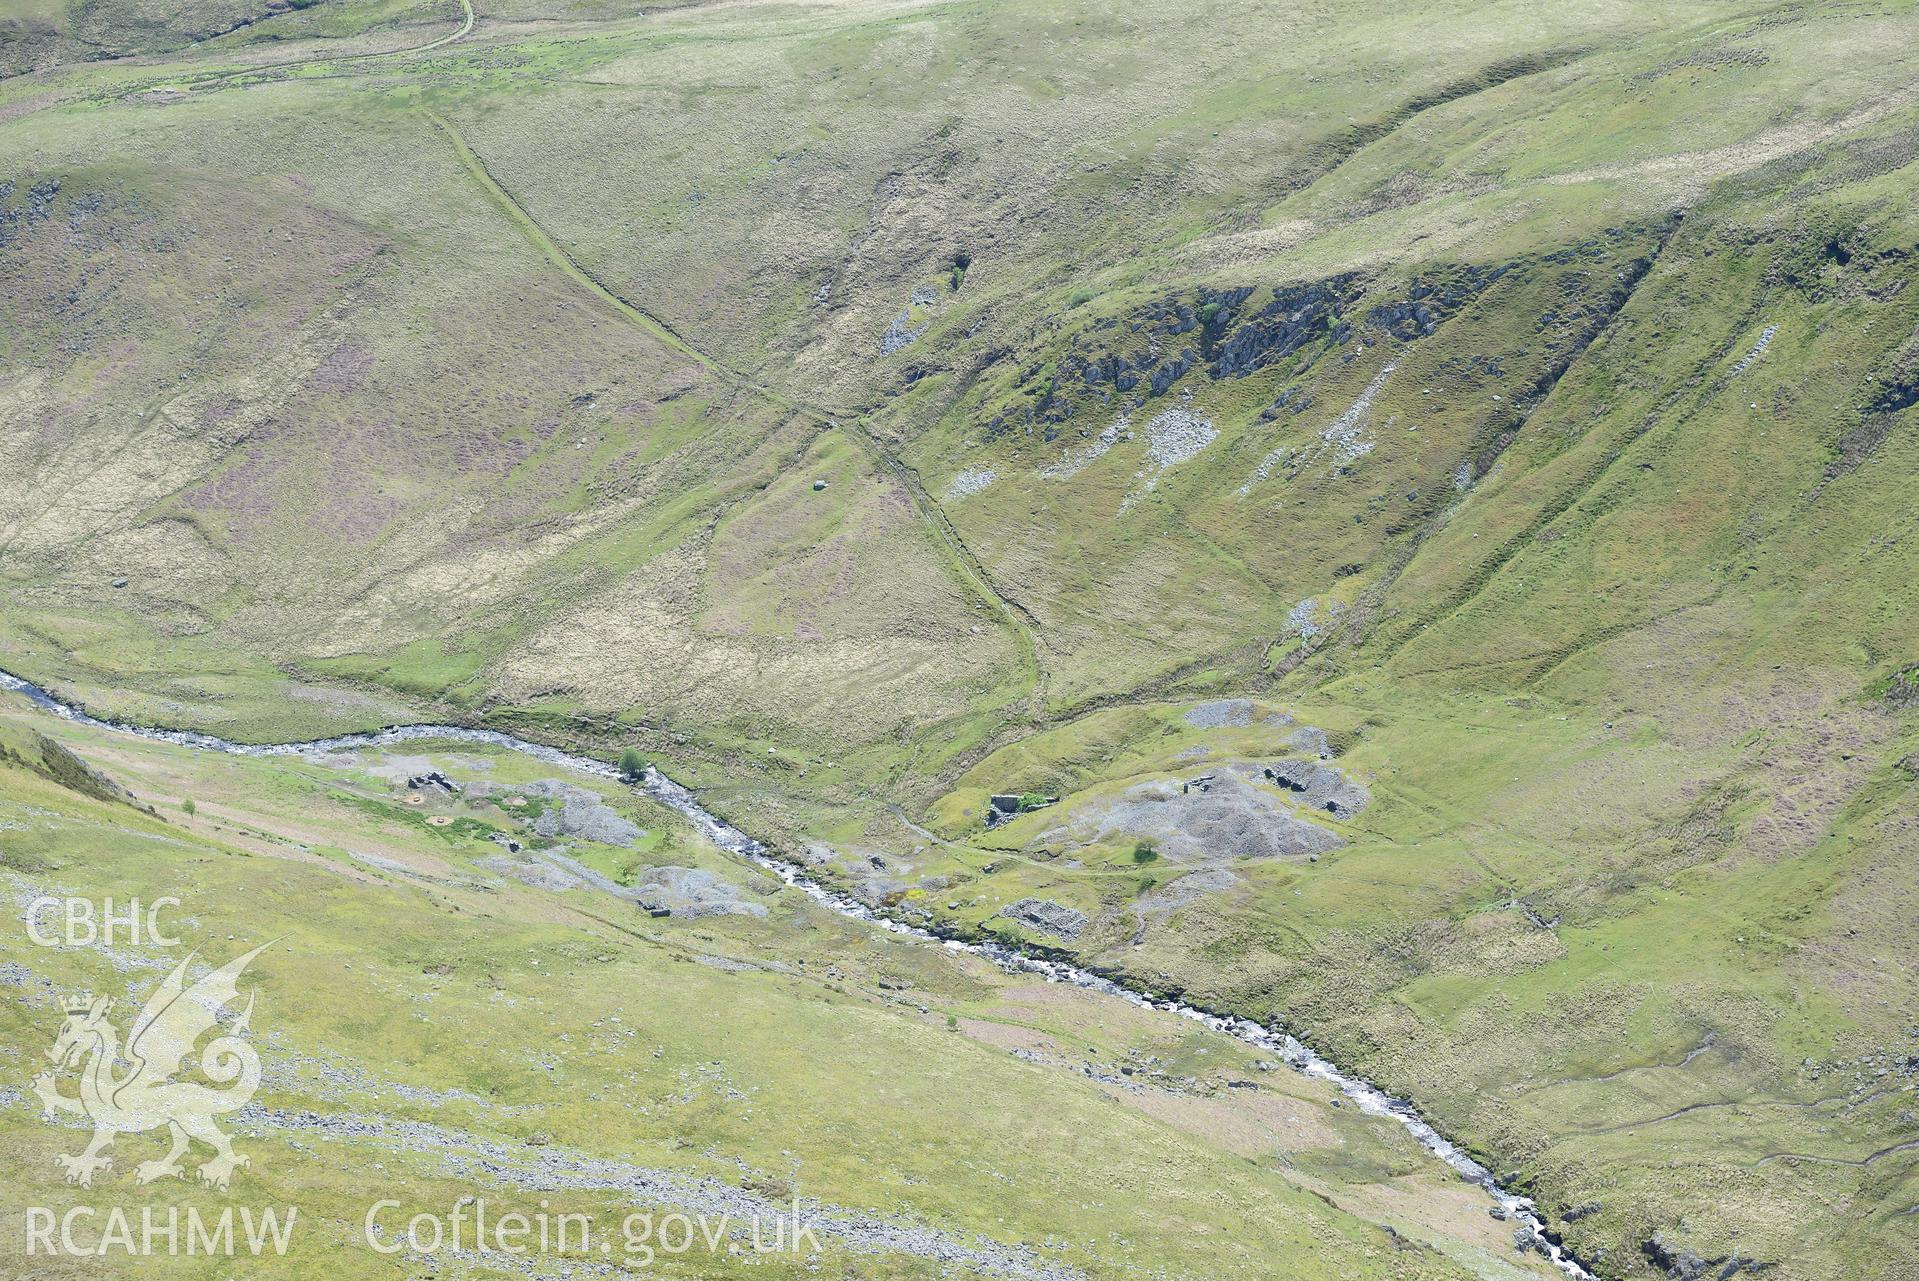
438 1018
872 408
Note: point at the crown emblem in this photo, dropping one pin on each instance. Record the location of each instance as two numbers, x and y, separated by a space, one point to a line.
126 1090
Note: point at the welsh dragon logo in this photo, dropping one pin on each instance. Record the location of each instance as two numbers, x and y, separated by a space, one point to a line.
145 1097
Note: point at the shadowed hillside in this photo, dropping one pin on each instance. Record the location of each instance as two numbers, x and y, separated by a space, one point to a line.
1123 411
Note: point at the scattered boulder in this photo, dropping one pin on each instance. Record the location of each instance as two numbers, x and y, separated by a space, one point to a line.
1183 892
1758 349
902 332
1225 713
1679 1263
1047 917
1176 436
1319 786
538 873
692 893
969 482
1224 819
1310 738
585 815
578 813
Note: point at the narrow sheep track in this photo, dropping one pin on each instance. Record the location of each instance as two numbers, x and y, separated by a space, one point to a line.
1368 1097
971 570
458 34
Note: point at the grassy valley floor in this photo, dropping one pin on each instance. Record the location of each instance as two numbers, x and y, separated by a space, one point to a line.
1408 507
443 1014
